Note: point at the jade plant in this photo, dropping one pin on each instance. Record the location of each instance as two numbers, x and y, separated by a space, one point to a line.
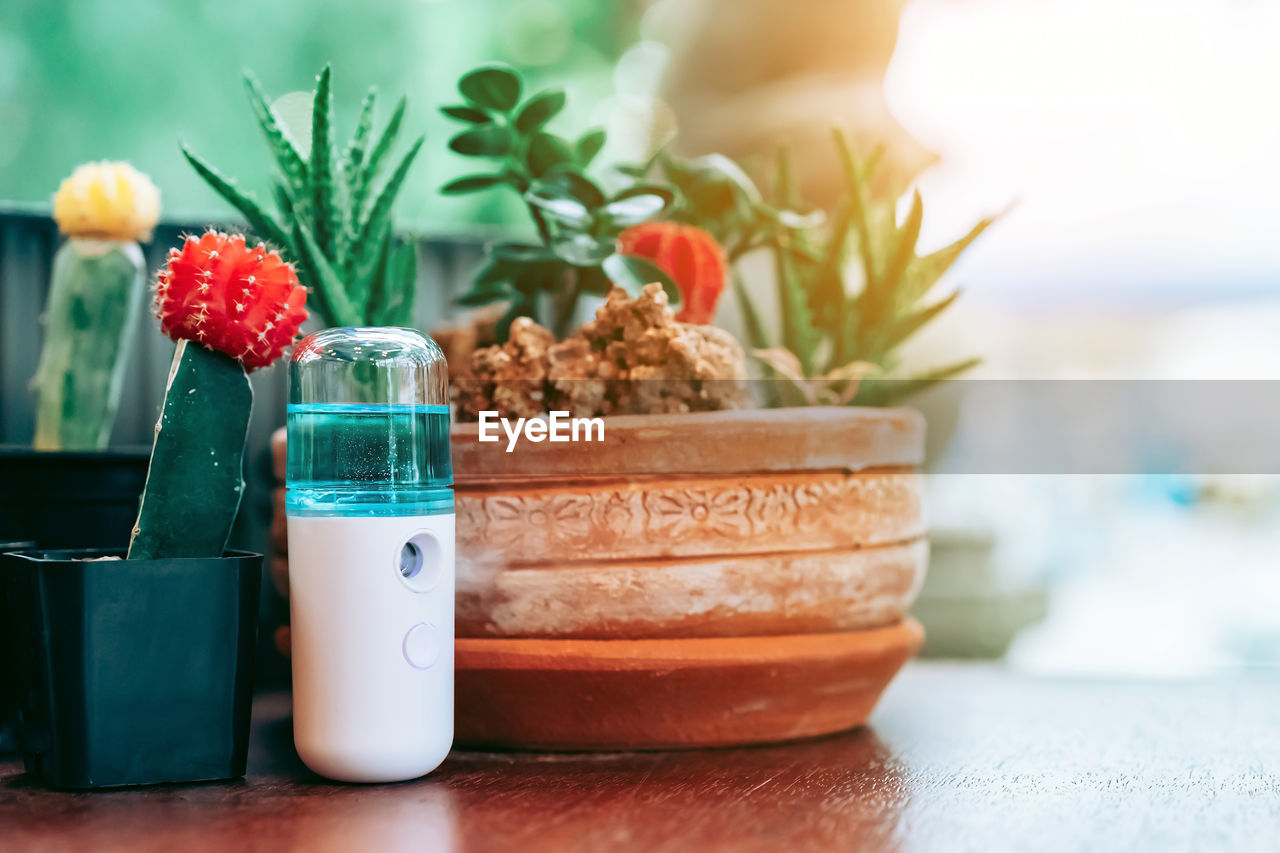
578 223
232 308
333 208
851 287
95 293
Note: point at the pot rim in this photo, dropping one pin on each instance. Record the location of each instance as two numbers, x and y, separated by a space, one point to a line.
731 442
613 655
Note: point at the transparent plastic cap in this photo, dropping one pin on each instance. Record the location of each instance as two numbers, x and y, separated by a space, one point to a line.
368 425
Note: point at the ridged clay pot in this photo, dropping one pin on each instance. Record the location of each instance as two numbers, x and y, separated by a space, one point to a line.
692 580
723 524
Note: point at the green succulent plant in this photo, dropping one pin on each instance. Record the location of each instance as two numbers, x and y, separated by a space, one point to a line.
576 220
333 209
839 335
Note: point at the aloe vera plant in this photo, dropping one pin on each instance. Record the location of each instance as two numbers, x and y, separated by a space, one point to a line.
841 334
333 208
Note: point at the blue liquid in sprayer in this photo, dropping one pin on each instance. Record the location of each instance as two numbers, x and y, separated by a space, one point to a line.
357 459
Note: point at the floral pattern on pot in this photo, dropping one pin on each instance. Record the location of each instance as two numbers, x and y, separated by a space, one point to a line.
692 517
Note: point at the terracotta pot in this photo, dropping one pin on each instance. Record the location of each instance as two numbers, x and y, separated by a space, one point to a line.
661 694
691 580
715 524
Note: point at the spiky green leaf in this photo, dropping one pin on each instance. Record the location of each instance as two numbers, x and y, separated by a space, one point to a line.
282 145
283 200
381 206
261 221
324 214
360 137
335 305
381 148
906 326
904 252
402 287
365 282
370 293
884 392
927 270
857 196
798 331
750 316
828 301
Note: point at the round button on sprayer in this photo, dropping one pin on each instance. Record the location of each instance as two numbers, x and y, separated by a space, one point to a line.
421 648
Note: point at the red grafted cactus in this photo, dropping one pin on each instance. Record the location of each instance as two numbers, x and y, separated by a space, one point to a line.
692 258
241 300
245 306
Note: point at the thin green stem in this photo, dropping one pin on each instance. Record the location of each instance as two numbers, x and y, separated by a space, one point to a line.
566 302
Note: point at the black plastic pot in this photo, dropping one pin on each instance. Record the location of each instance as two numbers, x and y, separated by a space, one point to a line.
132 672
71 500
65 500
8 693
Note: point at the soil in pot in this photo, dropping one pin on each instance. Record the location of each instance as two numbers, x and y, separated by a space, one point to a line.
132 672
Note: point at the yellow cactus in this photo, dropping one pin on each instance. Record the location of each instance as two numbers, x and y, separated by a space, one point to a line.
111 200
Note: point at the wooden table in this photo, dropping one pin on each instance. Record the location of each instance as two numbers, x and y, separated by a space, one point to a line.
958 757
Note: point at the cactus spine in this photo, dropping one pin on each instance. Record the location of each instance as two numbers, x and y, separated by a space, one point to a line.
196 477
90 322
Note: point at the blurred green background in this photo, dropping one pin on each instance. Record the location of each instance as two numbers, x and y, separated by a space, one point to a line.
125 79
